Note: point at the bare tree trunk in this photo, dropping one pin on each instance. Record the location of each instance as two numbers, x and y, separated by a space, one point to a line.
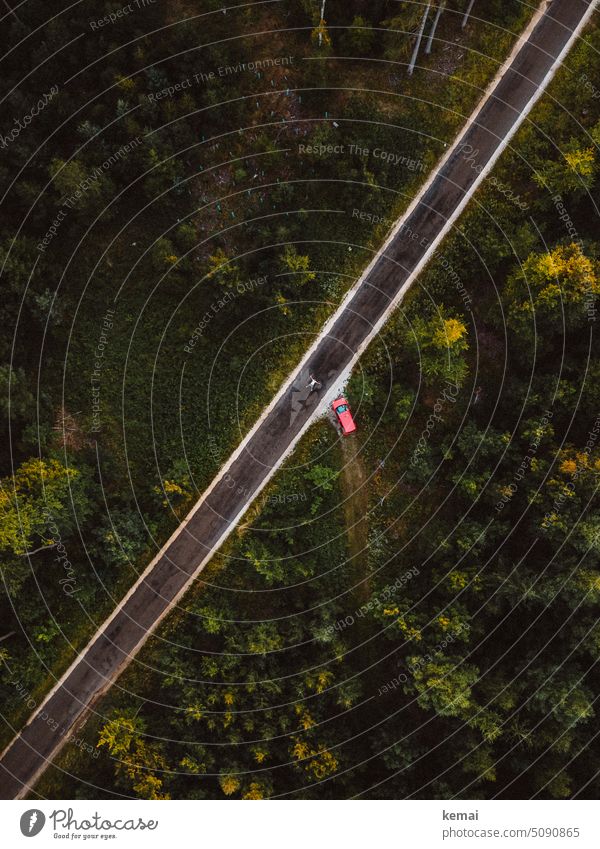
41 548
12 12
467 13
438 14
322 19
413 60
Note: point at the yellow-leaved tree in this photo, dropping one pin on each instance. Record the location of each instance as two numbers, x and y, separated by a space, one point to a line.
563 279
441 342
139 765
574 171
33 508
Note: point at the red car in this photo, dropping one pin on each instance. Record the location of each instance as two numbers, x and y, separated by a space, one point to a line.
342 410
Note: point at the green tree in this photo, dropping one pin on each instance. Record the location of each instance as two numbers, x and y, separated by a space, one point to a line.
441 341
222 270
297 267
398 41
575 172
359 37
444 685
79 185
35 496
139 764
562 278
19 402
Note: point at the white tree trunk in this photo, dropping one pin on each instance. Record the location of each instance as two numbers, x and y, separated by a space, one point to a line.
41 548
413 60
322 19
438 14
467 13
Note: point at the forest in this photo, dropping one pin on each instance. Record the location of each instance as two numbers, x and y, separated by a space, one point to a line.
407 613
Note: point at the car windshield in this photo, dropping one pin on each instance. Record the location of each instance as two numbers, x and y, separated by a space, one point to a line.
342 408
